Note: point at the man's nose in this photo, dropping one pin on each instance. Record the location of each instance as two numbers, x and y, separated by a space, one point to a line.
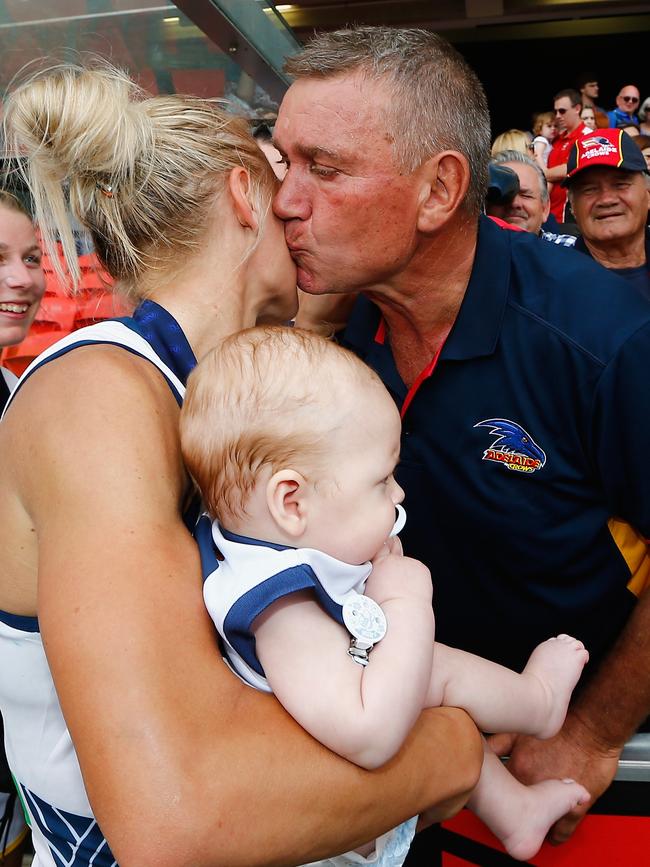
291 201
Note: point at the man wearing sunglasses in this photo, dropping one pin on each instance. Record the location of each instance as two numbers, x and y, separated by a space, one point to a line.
567 106
627 102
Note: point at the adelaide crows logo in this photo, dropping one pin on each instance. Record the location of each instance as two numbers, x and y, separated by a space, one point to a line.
513 446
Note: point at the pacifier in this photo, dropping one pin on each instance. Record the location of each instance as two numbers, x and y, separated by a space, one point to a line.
398 526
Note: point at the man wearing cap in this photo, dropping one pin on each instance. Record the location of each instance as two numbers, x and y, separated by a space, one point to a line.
529 207
607 182
627 103
567 106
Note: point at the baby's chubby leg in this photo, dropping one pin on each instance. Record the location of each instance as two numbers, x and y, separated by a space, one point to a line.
534 702
521 816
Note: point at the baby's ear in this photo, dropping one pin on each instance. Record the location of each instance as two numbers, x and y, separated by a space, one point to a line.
286 498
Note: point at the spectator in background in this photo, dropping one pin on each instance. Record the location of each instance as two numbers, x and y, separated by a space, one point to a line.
644 117
264 139
530 206
607 183
627 103
544 132
588 116
589 90
22 284
643 144
567 107
631 130
514 140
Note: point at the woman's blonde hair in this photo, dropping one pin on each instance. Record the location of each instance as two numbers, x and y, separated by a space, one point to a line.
512 140
12 203
139 172
267 397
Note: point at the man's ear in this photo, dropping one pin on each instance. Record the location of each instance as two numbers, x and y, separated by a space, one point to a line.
286 498
239 186
445 180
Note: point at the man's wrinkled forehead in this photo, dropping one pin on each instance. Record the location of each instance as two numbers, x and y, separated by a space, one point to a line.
330 117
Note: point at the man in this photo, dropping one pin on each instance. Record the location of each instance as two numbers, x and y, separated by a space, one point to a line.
517 397
627 103
589 91
567 107
607 184
530 206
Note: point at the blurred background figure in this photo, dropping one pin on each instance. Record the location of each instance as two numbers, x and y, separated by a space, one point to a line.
22 284
644 117
512 140
631 130
263 137
589 91
588 117
567 107
544 132
529 208
627 102
643 144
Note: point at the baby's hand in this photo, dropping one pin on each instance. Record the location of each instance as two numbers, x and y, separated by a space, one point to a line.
390 546
395 576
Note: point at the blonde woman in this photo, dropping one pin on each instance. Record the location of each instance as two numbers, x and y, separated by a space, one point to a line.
512 140
130 740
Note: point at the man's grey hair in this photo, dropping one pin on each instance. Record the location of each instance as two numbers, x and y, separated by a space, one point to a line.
438 102
511 156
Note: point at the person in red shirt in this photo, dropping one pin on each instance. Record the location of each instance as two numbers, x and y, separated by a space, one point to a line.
567 106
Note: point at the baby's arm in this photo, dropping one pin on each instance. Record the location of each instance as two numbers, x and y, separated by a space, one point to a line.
363 714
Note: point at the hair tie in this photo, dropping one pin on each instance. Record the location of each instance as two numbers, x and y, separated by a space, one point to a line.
105 189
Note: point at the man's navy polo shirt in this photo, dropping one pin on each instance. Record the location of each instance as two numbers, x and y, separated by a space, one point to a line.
525 453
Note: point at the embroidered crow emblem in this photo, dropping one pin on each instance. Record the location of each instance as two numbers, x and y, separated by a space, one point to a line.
512 446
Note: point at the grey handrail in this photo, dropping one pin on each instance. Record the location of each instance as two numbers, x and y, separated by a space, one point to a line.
634 763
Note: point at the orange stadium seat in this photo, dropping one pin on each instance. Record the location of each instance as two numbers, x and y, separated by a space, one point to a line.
18 358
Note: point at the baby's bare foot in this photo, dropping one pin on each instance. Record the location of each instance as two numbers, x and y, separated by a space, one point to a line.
541 806
557 664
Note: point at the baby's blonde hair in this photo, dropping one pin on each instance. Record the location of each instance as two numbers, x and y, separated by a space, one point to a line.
268 397
140 173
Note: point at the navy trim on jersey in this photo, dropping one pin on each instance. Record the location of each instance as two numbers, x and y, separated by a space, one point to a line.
66 349
72 839
247 540
20 621
165 336
202 533
241 616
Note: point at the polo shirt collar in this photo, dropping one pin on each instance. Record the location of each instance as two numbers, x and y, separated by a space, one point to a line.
476 330
478 324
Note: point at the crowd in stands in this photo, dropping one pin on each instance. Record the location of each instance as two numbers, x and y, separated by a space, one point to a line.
582 178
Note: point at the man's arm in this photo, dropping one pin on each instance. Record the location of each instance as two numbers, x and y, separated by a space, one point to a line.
555 174
183 764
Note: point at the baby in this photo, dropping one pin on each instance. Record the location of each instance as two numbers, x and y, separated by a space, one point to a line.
292 442
545 132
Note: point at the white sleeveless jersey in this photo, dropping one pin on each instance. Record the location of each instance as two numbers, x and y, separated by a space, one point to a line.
253 575
38 745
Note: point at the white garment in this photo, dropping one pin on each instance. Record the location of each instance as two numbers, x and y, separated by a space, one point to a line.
38 744
251 577
547 147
